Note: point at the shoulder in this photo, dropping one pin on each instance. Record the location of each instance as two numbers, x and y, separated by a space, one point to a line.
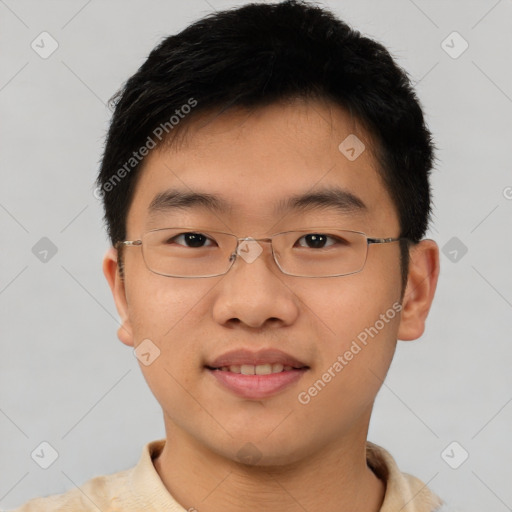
103 493
118 492
404 492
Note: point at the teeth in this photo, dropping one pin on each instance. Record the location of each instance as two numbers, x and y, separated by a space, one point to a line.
247 369
260 369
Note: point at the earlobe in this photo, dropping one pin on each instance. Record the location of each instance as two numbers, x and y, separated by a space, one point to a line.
421 286
117 287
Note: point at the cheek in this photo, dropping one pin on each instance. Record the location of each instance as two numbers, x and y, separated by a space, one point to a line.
168 312
356 314
172 314
343 307
159 306
354 356
357 323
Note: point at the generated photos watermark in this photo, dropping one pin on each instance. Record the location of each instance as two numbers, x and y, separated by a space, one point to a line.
305 397
157 135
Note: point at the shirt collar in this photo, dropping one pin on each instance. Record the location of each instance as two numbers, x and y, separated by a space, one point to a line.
404 492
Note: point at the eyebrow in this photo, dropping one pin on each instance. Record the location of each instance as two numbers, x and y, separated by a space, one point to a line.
334 198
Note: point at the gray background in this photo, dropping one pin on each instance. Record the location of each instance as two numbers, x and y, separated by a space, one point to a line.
67 380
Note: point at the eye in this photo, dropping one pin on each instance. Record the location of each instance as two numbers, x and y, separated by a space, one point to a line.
318 240
191 240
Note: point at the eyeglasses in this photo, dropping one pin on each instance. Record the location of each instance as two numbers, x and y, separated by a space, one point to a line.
312 252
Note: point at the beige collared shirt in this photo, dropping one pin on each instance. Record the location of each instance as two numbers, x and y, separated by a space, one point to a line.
140 488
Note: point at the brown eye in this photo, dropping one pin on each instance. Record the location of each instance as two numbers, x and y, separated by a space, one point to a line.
315 240
191 239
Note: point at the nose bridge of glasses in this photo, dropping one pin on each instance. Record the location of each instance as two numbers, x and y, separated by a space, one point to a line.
250 239
241 248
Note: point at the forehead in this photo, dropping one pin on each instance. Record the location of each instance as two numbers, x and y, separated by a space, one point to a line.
252 166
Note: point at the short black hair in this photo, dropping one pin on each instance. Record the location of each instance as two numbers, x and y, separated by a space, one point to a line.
256 55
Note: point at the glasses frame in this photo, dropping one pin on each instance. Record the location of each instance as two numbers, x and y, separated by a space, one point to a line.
234 256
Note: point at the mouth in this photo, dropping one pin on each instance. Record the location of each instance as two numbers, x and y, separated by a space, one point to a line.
256 375
260 369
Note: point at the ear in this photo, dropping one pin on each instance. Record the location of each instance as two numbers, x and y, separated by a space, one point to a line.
111 272
420 289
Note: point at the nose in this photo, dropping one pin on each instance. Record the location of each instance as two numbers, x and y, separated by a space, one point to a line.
254 292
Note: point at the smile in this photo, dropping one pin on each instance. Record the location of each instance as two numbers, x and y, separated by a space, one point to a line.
260 369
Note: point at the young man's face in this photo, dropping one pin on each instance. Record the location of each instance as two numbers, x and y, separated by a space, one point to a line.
253 163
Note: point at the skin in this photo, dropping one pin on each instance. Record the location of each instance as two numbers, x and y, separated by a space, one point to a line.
253 160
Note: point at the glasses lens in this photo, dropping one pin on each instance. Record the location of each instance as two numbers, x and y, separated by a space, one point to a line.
181 252
320 252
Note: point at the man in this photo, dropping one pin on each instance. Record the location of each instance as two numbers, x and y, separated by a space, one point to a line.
265 182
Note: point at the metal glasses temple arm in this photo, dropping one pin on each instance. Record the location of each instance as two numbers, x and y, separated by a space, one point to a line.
129 242
382 240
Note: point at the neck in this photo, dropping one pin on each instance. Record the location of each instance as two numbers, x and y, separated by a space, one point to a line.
334 479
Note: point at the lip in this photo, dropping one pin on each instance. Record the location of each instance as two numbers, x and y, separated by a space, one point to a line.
256 387
266 356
